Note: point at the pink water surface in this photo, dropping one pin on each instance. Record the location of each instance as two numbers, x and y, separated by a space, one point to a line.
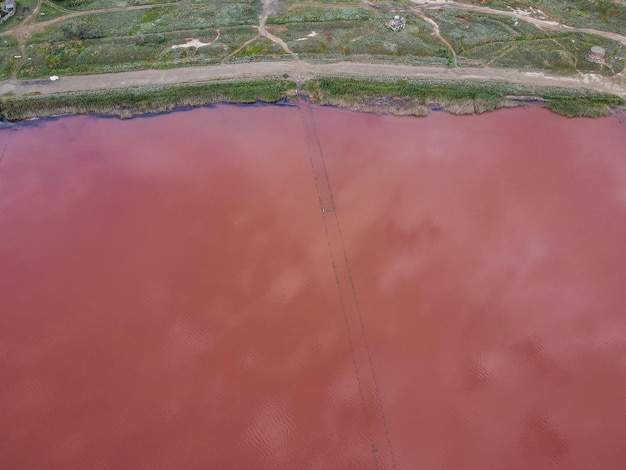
173 296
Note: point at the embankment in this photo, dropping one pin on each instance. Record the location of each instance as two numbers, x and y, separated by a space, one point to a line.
416 97
391 95
130 102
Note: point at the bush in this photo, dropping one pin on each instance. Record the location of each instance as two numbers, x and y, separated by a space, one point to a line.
80 30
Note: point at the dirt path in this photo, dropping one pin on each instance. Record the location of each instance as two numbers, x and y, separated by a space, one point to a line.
21 41
615 85
269 8
436 32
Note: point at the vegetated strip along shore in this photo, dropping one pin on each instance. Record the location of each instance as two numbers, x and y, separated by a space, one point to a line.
400 96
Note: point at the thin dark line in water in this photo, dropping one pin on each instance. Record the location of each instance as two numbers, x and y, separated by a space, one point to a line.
2 154
337 283
325 209
319 146
367 348
356 302
351 344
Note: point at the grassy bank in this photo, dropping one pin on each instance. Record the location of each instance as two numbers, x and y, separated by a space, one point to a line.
130 102
415 97
393 96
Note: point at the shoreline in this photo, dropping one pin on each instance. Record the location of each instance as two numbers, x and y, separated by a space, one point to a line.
391 95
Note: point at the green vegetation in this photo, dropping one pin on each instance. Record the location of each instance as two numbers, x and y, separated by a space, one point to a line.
406 96
259 50
563 53
139 51
80 5
399 96
577 108
506 42
605 15
393 4
573 103
116 41
394 96
324 2
8 50
321 15
129 102
364 40
48 12
139 34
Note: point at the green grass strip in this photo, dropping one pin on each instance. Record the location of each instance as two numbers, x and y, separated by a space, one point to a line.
461 97
129 102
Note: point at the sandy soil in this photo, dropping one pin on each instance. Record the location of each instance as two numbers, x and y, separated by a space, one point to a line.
194 42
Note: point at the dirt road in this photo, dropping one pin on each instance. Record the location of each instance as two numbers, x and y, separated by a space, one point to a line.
304 70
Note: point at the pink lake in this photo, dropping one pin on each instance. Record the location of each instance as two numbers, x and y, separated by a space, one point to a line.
285 288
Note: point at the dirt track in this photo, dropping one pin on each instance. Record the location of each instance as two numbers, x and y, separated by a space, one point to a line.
304 70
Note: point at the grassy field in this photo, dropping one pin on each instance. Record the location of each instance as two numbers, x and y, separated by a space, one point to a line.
505 42
8 50
81 5
323 2
48 12
117 41
605 15
140 34
364 39
309 14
